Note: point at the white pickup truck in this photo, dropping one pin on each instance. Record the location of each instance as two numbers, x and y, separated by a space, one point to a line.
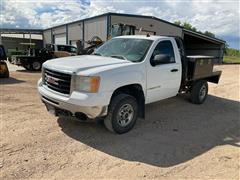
121 76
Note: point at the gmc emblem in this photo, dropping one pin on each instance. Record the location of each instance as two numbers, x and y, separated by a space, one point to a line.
51 80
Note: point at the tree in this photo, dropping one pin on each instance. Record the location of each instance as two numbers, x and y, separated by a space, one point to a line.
226 48
188 26
209 34
178 23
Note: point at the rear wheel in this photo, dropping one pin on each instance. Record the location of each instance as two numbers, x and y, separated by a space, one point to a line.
36 66
199 92
122 114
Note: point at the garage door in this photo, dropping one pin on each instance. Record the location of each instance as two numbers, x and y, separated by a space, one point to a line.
60 39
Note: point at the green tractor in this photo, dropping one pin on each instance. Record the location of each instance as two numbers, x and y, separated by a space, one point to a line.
4 72
116 30
122 29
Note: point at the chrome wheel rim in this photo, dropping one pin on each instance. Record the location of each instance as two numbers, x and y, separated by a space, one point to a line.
203 92
36 65
125 115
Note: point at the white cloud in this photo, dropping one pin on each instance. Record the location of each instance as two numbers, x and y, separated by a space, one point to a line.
41 13
218 16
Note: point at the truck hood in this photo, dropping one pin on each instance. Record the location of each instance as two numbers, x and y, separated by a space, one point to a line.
80 63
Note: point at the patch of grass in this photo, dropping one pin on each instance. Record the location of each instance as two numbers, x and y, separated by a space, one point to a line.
231 59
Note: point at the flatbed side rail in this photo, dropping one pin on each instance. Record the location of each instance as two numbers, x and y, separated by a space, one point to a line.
213 78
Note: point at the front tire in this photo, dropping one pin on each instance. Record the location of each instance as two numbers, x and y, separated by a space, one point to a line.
199 92
122 114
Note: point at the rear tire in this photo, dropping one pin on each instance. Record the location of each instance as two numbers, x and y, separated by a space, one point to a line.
199 92
122 114
36 66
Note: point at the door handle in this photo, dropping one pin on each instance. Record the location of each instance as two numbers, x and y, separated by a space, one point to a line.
174 70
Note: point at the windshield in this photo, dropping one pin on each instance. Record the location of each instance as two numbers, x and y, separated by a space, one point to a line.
125 48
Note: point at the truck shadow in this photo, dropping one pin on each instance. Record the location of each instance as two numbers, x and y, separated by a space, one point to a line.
173 132
10 80
27 71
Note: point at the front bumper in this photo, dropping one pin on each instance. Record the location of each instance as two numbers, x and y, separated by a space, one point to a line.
91 105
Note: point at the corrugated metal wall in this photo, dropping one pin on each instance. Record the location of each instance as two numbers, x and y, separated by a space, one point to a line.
98 27
59 30
161 28
75 32
95 27
47 37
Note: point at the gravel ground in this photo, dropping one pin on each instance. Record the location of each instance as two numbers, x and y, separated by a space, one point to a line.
177 140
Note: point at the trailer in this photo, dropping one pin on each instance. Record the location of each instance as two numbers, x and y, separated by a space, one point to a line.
34 59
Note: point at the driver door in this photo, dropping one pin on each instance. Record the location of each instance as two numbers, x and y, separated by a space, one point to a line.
163 80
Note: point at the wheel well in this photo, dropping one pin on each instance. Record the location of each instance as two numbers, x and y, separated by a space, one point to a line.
136 91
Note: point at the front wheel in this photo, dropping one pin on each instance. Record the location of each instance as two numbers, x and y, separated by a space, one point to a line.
122 114
199 92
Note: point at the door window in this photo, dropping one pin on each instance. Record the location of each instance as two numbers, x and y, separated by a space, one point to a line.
165 48
70 49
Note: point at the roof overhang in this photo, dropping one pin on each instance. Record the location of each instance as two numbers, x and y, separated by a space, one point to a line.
21 31
202 36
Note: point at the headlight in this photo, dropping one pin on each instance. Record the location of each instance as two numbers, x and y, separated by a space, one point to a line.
86 83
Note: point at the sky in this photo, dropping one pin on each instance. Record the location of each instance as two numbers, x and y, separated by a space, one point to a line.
222 17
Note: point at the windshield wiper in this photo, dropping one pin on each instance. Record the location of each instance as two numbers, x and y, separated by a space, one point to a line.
119 57
97 54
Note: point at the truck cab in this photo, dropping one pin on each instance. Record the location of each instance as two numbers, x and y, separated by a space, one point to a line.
120 77
59 50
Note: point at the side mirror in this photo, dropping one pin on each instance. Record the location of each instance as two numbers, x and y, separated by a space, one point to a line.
160 59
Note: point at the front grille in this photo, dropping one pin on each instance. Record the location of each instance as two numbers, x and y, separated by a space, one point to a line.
57 81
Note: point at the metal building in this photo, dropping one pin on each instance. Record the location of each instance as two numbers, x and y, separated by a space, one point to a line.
101 26
84 30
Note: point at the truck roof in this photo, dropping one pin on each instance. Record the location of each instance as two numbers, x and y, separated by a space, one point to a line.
151 37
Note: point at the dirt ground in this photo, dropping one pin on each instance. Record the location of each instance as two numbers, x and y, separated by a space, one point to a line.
177 140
